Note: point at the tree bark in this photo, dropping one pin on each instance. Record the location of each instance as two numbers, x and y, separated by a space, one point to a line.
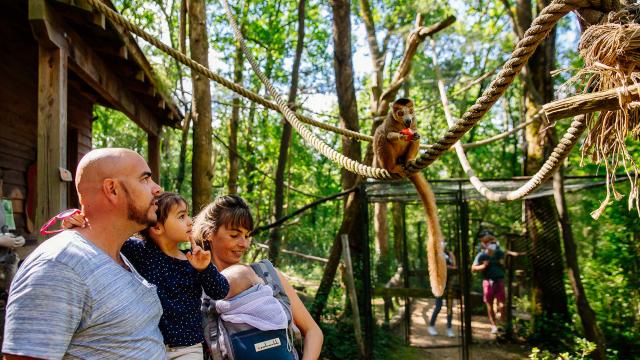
182 160
238 64
589 324
352 217
285 139
541 216
202 174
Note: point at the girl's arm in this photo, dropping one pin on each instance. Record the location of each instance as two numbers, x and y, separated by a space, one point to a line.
214 284
313 337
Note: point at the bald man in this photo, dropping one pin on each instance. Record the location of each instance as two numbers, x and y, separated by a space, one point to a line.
76 295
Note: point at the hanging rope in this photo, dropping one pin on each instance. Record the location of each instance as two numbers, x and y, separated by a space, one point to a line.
524 49
347 163
550 166
538 30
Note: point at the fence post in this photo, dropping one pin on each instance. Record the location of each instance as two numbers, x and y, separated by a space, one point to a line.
351 289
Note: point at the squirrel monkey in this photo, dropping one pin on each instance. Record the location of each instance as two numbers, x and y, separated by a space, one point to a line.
395 145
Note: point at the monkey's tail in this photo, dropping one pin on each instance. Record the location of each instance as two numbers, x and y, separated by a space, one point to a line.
435 252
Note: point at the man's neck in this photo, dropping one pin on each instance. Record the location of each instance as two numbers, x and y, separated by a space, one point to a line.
107 235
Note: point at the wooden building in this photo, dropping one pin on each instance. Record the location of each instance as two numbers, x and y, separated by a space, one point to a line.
59 58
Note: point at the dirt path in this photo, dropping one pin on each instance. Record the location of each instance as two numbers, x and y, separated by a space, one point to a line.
484 343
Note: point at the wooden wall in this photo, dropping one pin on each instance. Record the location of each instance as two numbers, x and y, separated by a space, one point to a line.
18 115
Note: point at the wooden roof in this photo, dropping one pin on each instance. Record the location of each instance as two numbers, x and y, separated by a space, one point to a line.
108 60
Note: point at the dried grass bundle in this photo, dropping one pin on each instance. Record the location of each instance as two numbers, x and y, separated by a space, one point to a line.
611 52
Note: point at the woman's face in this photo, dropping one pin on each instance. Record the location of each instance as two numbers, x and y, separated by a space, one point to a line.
228 245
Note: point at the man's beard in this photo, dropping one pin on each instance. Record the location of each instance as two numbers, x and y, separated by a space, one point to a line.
140 216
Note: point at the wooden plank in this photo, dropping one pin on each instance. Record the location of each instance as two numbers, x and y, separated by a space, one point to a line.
52 132
12 162
351 288
18 144
153 154
14 177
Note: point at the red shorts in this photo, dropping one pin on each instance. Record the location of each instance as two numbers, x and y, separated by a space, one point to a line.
493 289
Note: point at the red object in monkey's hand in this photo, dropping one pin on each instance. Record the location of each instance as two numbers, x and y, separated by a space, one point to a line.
408 133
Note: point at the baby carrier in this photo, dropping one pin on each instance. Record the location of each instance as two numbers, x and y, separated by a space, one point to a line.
226 340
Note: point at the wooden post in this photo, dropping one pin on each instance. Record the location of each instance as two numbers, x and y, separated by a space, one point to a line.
52 132
153 155
509 301
405 265
351 289
465 275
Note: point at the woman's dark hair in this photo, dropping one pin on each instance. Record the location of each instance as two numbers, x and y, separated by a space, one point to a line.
228 210
165 202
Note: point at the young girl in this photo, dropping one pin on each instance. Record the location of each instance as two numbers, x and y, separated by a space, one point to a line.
180 278
225 225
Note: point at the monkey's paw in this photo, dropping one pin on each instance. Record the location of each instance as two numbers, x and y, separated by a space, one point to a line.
416 136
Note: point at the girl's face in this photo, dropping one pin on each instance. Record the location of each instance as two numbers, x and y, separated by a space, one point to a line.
228 245
177 227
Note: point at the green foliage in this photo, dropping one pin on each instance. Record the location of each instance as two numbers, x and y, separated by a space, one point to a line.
583 349
339 342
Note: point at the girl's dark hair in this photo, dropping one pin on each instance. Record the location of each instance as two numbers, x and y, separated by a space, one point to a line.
165 202
228 210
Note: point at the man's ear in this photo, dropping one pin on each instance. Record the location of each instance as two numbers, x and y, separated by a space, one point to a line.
110 188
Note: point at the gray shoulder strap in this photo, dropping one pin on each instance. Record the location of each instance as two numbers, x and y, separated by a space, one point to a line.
268 273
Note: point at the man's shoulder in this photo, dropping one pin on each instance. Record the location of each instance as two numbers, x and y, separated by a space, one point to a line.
67 248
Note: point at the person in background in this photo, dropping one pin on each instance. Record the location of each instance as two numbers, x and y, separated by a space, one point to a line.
490 262
452 284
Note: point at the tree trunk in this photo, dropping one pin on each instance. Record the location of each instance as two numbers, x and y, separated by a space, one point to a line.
238 63
589 324
202 175
274 243
352 217
541 216
182 162
381 225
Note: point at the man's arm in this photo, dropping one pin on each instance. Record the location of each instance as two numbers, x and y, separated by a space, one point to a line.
43 311
477 265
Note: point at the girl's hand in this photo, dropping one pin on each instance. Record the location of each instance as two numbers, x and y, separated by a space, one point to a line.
77 220
198 258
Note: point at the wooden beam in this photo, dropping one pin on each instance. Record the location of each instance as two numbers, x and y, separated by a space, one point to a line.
52 132
153 156
80 11
592 102
89 66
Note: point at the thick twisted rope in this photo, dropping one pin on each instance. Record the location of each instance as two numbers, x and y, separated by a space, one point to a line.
195 66
561 151
525 48
536 33
346 162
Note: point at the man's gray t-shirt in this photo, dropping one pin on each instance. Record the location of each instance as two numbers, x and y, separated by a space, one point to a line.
71 300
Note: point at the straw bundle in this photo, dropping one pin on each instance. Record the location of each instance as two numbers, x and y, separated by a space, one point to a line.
611 52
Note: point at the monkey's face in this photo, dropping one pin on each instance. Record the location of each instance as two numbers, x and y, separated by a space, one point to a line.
403 112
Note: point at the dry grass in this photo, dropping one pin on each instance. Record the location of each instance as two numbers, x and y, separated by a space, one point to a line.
611 52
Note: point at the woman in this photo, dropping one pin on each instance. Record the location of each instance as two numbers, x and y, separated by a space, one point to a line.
225 225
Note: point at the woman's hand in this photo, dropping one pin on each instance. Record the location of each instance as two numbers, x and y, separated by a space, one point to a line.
198 257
